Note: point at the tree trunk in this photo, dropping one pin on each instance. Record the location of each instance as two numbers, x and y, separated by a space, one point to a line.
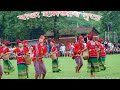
55 29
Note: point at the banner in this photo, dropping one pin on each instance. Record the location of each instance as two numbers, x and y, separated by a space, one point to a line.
77 14
28 16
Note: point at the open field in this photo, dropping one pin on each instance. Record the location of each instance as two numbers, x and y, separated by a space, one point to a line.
67 65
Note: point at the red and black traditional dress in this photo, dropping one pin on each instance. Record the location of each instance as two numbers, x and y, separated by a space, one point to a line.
93 64
54 62
8 67
102 54
39 51
78 49
21 65
27 50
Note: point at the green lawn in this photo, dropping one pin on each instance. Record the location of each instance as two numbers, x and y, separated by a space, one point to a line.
67 66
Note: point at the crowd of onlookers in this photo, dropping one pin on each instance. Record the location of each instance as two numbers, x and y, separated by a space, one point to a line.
112 48
67 50
63 50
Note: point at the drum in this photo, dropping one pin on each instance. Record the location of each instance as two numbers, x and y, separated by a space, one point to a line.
85 55
53 56
27 59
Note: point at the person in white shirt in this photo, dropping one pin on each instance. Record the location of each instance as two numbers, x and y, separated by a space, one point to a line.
62 49
72 48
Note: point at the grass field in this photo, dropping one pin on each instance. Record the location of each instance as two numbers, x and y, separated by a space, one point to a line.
67 65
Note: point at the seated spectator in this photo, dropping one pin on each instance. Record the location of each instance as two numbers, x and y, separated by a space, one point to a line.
118 50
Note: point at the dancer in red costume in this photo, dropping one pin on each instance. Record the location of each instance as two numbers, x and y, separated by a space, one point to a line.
39 51
78 50
26 48
93 64
102 54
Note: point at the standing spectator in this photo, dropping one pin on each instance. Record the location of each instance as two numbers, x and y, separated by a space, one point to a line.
62 50
105 43
109 44
118 50
72 49
58 48
68 49
48 48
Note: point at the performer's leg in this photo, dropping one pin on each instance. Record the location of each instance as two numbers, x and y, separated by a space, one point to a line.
80 64
42 70
42 76
93 74
27 71
77 64
0 76
36 76
1 71
77 69
58 65
37 71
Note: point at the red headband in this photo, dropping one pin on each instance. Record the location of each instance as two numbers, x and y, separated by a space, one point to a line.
80 38
6 42
25 42
42 37
18 41
53 41
90 37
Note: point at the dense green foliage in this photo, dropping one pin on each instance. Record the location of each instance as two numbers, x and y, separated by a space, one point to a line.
12 28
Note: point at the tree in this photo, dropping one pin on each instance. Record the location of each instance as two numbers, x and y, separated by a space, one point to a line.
12 28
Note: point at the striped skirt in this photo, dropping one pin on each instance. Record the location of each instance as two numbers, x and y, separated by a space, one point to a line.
22 71
102 63
1 71
93 64
8 67
39 67
55 65
78 60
